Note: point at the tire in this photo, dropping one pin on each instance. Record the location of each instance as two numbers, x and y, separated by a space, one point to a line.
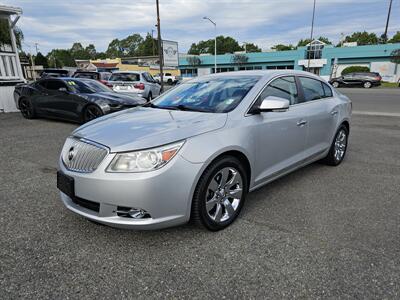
367 84
215 206
149 97
26 108
91 112
169 81
335 84
338 148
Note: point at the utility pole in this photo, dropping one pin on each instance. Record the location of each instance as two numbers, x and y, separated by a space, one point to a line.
311 37
36 47
215 42
387 21
152 39
160 50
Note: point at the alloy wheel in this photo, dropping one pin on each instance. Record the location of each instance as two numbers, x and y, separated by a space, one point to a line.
367 85
340 145
224 194
25 108
92 112
335 84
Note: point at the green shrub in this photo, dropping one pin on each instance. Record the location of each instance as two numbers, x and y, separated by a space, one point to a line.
354 69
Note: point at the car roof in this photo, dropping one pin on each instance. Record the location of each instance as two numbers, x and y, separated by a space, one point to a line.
129 72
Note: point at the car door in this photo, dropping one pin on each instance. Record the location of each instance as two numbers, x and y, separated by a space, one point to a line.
322 114
281 136
348 79
154 87
39 97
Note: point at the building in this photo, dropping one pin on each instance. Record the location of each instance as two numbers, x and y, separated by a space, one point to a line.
322 59
10 66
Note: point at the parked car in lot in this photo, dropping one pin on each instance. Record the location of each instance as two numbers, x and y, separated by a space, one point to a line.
99 76
198 149
167 78
365 79
72 99
134 83
54 73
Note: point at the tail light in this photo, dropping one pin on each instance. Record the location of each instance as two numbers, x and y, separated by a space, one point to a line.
107 83
139 86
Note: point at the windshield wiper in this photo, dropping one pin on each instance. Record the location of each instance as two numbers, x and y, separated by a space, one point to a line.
189 108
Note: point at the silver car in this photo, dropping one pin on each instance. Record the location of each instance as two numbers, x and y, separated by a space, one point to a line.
136 83
197 150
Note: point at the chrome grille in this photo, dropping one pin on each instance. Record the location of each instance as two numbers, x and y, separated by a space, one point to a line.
82 156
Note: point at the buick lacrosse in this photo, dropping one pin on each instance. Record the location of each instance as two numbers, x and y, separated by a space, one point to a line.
196 151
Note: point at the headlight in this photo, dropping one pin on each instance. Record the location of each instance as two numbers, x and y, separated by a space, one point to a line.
144 160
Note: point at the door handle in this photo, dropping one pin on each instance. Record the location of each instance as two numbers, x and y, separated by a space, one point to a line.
301 123
334 112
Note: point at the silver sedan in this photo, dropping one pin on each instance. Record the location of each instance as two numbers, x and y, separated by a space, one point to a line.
197 150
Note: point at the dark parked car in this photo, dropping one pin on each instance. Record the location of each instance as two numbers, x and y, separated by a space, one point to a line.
99 76
365 79
72 99
54 73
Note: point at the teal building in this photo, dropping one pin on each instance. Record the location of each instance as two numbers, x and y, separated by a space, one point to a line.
322 59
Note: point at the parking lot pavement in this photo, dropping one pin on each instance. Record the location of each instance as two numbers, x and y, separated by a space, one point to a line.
321 232
374 101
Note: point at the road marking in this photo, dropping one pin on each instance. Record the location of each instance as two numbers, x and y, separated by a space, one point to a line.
374 113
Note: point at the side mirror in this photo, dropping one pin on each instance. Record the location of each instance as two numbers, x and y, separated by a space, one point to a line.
63 90
272 103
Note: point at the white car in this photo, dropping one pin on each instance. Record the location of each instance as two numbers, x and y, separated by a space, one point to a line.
136 83
167 78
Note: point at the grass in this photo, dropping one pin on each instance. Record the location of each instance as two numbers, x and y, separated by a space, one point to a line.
389 84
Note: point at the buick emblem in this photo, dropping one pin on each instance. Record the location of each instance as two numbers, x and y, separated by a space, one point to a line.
71 153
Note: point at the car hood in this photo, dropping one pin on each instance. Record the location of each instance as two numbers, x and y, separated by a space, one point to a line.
142 127
118 98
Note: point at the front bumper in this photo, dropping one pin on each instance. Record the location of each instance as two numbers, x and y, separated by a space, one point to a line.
165 194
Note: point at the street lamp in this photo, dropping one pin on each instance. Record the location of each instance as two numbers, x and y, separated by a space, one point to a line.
215 43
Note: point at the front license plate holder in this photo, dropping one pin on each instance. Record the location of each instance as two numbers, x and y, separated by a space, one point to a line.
66 184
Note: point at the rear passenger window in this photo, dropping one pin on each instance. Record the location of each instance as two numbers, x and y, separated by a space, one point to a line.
312 89
327 90
283 87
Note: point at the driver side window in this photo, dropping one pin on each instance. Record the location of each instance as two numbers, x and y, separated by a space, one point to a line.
55 85
283 87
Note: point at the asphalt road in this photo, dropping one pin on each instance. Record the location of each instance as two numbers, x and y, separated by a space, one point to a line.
321 232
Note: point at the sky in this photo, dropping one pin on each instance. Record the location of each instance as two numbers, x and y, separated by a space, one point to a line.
60 23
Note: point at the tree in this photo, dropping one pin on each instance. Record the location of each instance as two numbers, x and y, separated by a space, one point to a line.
60 58
224 45
193 60
354 69
395 38
395 56
5 38
281 47
240 59
114 49
41 60
91 51
305 42
250 47
362 38
148 47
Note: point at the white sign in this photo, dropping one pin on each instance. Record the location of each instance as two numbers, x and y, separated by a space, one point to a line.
313 63
350 44
170 53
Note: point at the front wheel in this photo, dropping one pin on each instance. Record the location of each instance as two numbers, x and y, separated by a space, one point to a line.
220 194
91 112
338 148
367 84
26 108
335 84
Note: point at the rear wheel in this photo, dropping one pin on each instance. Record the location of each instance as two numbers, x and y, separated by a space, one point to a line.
169 81
367 84
27 109
150 97
220 194
91 112
338 148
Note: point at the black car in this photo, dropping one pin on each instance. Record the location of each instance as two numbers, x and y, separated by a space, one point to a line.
365 79
54 73
72 99
99 76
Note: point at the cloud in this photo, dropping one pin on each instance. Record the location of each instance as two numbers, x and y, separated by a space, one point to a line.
57 24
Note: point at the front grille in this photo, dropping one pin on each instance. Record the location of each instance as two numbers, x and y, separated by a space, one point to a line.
86 203
82 156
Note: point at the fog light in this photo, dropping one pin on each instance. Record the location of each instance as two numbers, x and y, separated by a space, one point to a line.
131 212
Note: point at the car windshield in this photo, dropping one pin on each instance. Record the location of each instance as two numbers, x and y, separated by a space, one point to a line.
125 77
86 75
217 95
88 86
